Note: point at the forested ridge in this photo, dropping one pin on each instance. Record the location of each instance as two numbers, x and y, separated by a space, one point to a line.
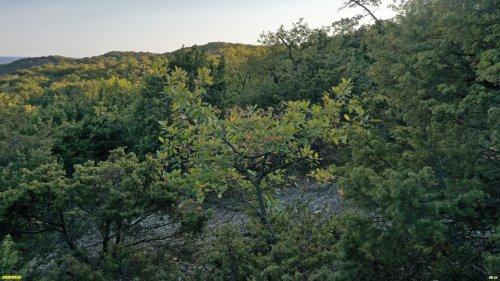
110 166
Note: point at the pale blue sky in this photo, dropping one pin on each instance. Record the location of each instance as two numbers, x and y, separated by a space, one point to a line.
93 27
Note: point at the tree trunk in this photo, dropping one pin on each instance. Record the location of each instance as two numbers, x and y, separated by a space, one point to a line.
263 212
65 232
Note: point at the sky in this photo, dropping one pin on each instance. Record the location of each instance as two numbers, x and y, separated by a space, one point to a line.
81 28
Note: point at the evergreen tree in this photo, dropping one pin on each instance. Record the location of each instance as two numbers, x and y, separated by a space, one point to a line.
426 176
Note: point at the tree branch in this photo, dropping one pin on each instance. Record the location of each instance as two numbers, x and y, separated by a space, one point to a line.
358 3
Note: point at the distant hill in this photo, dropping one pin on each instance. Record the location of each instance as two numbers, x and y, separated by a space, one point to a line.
5 60
214 48
13 64
27 63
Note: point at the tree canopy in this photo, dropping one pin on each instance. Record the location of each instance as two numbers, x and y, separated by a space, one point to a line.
180 166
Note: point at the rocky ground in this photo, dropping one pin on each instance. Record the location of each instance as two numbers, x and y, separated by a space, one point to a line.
318 199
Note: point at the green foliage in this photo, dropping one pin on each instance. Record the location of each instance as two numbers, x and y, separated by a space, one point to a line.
151 106
303 62
9 256
492 260
251 151
427 173
35 202
111 198
304 249
23 139
117 194
119 264
194 58
70 268
411 139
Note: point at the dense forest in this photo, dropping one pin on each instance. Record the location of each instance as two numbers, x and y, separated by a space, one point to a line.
117 167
